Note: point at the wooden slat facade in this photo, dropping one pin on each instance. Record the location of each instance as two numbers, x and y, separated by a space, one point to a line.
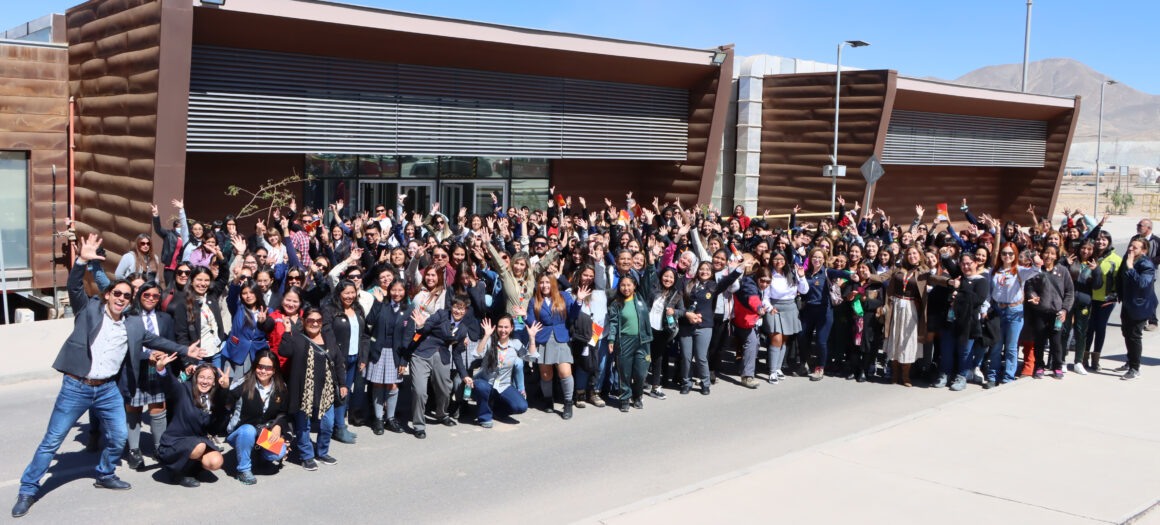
34 118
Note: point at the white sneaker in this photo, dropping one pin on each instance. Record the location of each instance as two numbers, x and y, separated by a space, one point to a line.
780 374
1079 369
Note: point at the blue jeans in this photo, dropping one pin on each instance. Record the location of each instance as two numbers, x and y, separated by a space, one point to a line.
509 402
302 424
518 375
818 318
243 439
340 411
1005 353
74 399
947 364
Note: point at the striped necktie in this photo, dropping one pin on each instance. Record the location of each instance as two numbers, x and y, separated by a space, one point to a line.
149 324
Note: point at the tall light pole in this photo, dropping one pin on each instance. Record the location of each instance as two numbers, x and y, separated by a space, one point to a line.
1026 46
1099 142
837 106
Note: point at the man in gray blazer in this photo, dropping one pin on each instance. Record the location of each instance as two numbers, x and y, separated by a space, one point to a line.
92 360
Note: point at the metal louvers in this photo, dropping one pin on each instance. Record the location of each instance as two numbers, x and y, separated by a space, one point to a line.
940 139
244 100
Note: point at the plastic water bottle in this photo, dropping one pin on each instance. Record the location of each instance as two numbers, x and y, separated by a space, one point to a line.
1058 324
466 390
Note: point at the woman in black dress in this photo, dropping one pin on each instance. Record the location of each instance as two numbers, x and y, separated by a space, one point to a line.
198 408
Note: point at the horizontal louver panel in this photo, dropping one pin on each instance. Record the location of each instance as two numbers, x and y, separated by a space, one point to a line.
244 100
939 139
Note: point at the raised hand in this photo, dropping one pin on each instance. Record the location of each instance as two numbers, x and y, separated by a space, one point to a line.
583 203
918 210
419 317
177 203
89 246
239 243
195 351
583 293
164 361
379 294
841 200
488 328
153 208
224 377
534 329
797 208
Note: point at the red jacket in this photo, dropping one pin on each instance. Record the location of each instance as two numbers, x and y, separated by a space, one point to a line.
746 303
275 338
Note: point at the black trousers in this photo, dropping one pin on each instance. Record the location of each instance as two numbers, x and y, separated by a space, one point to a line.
658 350
1134 340
1043 326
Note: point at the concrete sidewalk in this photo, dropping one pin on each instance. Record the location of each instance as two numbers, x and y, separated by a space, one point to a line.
30 348
1081 450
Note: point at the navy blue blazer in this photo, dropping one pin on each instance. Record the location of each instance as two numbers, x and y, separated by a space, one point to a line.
76 357
387 331
438 334
1137 295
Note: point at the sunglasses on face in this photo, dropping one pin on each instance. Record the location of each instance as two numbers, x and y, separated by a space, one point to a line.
144 243
119 294
266 368
184 273
440 256
313 320
1005 254
153 296
294 278
354 276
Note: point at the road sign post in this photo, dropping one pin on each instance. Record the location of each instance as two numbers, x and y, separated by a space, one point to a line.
872 171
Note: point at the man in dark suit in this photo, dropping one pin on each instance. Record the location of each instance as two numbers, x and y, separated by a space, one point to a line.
1136 276
92 360
433 340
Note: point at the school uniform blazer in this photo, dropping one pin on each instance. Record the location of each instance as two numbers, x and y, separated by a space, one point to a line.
75 356
139 356
190 331
387 331
438 334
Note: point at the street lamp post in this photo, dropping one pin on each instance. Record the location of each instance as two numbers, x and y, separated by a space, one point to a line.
1099 142
837 107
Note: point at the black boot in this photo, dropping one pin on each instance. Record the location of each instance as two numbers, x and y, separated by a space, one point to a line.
377 426
567 410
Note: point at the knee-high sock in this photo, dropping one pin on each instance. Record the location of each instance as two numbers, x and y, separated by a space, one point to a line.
568 385
392 402
546 388
134 421
380 396
157 425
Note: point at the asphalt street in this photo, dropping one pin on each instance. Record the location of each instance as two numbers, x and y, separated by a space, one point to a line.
542 469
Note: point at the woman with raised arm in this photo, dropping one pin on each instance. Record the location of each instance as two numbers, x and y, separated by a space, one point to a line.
552 309
519 283
782 318
906 310
1007 294
382 364
493 384
199 411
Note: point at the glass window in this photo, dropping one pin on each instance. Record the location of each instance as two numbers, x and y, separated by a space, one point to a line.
532 193
378 166
418 166
321 193
526 168
329 165
457 167
14 207
493 167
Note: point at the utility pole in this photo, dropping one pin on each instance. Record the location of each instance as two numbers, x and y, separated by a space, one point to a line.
1026 46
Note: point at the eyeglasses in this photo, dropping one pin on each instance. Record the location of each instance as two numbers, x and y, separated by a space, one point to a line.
182 272
540 243
153 296
1012 254
440 256
765 281
265 368
144 243
354 276
313 320
294 278
380 210
119 294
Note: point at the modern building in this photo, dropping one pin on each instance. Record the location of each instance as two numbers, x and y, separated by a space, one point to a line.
163 99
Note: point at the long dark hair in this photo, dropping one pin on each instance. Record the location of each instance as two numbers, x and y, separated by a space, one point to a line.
336 298
149 285
249 385
491 354
212 389
190 311
259 299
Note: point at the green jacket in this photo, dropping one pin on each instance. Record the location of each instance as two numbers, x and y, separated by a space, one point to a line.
612 328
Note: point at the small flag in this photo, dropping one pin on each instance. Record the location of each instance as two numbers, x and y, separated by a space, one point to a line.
597 330
559 200
624 218
942 212
733 250
636 211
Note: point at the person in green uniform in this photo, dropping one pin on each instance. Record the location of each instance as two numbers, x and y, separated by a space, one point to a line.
629 335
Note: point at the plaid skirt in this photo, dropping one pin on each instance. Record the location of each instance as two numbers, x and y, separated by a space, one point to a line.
384 371
148 387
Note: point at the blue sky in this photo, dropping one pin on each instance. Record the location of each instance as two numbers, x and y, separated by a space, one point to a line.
939 38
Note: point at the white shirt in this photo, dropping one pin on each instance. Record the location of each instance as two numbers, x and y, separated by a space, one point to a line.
109 347
781 288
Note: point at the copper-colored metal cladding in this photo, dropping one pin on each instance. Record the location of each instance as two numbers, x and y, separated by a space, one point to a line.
34 118
798 129
797 137
125 66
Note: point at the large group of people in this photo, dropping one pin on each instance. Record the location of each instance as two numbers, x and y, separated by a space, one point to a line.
281 340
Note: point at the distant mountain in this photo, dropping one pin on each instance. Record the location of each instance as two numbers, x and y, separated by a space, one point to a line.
1131 117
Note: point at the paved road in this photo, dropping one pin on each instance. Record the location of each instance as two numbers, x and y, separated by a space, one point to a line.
543 469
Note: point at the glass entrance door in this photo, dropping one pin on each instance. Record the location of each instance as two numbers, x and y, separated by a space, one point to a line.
374 193
473 195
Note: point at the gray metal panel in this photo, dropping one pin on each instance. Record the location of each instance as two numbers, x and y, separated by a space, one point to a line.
940 139
244 100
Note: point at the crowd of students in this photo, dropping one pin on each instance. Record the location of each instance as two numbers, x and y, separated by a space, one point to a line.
322 319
